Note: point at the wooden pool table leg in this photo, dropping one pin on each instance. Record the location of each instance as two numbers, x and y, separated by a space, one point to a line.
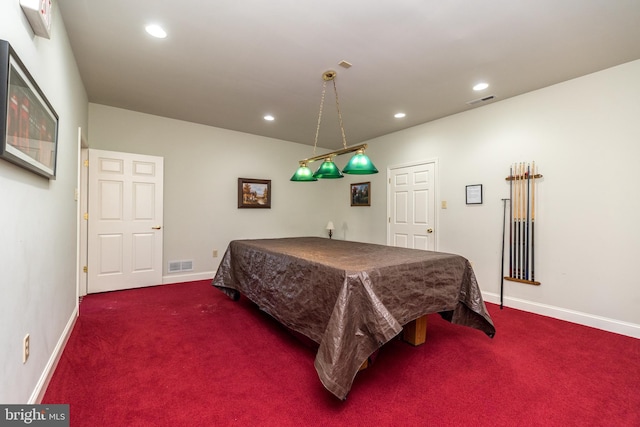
415 332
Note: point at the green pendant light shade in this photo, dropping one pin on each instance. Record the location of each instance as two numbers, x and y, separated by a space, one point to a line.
360 164
303 174
328 170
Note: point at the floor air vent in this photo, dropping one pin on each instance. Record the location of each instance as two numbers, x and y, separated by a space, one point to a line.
176 266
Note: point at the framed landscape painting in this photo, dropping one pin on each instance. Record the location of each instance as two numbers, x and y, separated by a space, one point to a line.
254 193
361 194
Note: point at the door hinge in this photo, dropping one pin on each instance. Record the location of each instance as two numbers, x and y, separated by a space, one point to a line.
86 163
86 216
85 269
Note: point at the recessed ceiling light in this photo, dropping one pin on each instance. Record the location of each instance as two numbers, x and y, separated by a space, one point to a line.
156 31
269 118
481 86
399 115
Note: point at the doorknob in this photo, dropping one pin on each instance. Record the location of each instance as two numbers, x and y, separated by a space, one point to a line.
157 227
429 230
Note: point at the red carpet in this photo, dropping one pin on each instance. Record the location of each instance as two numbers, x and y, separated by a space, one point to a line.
186 355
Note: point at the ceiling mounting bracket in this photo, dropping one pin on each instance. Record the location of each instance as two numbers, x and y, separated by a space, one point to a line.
329 75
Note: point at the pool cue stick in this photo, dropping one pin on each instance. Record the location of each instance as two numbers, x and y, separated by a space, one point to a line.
522 217
504 221
517 225
524 220
525 239
533 220
511 221
523 209
517 222
526 248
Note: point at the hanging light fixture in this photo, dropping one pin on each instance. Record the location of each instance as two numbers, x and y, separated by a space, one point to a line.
359 164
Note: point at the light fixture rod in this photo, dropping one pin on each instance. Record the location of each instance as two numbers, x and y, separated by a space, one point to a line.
334 153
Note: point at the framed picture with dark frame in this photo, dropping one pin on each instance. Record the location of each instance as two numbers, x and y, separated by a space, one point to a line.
254 193
28 122
474 194
360 194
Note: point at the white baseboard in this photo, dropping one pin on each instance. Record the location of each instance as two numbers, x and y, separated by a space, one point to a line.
50 368
179 278
598 322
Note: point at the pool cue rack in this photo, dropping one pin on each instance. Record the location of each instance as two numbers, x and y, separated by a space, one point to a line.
522 212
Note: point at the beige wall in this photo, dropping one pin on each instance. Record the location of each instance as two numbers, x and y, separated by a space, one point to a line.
38 217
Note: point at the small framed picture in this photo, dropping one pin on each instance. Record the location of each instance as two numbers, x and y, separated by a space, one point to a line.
254 193
361 194
474 194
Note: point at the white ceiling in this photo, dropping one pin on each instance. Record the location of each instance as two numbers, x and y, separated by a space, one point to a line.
227 63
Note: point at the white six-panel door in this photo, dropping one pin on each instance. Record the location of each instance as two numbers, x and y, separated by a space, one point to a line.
412 207
125 221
